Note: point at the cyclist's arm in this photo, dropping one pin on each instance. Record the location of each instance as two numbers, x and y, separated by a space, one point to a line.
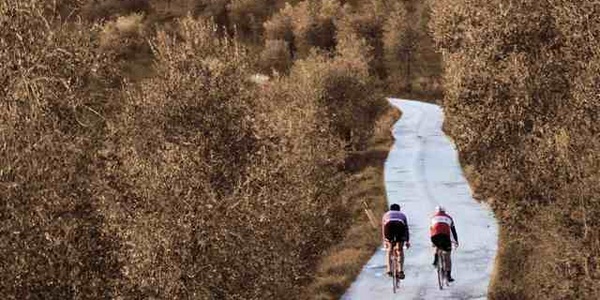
454 232
382 228
407 231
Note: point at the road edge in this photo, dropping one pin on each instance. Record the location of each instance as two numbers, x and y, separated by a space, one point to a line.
343 262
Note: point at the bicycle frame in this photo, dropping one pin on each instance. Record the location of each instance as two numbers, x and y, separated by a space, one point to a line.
442 268
395 262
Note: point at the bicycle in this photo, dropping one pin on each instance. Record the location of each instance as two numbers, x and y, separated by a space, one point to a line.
442 267
395 262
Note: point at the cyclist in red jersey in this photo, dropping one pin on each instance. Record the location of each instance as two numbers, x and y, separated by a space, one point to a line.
442 225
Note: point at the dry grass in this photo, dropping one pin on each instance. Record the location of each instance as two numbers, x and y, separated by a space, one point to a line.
59 93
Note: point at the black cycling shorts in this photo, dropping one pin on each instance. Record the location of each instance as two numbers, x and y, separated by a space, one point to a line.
395 229
442 241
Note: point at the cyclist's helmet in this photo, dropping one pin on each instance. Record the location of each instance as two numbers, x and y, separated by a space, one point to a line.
440 208
395 207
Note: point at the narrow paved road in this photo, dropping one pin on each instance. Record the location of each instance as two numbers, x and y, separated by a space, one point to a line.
422 171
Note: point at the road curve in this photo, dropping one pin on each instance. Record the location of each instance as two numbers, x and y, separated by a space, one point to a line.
422 171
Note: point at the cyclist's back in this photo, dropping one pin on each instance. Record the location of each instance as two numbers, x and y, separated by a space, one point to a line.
442 227
442 224
394 228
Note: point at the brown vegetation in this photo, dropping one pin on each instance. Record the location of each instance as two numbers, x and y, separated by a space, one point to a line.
522 104
395 34
340 265
58 95
190 182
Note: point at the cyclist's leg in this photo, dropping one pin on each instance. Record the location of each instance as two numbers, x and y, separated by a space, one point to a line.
447 247
387 237
436 245
401 256
401 238
388 247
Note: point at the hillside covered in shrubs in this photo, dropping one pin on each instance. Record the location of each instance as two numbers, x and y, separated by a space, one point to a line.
142 155
523 106
140 158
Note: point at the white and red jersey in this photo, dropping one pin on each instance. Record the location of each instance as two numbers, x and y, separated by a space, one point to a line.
442 223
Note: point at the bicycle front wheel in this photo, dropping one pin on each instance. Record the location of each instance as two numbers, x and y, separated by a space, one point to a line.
394 271
440 270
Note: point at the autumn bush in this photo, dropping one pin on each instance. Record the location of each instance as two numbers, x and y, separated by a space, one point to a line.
235 185
245 194
397 44
248 16
57 98
105 9
348 96
126 37
314 26
396 36
240 18
280 25
304 27
193 182
276 57
279 41
139 158
522 100
366 22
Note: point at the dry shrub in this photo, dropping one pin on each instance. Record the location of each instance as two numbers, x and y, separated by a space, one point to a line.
276 57
171 8
122 28
65 9
279 32
240 18
191 183
354 54
305 26
239 188
280 26
346 92
125 36
212 9
57 99
522 105
413 64
184 147
366 22
401 51
105 9
314 25
397 44
188 184
302 28
248 16
224 165
127 39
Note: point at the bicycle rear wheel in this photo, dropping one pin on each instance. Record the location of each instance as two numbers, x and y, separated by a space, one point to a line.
393 268
440 269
